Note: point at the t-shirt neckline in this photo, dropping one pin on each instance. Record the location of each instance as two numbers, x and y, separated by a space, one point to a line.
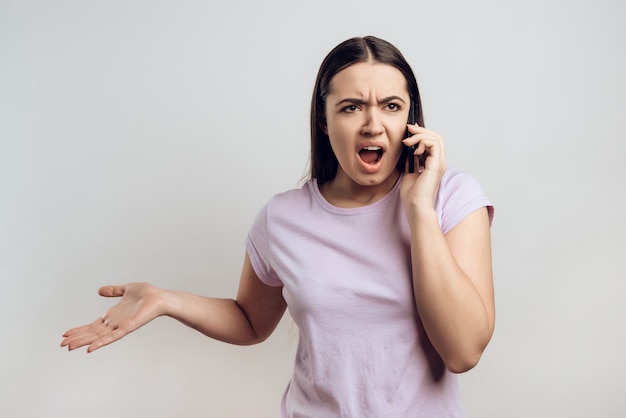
329 207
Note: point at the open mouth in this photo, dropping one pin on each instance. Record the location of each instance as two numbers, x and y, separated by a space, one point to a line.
371 154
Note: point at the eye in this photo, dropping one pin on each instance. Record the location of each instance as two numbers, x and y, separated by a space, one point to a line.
394 107
350 109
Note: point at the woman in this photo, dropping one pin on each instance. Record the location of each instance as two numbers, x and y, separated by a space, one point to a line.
386 273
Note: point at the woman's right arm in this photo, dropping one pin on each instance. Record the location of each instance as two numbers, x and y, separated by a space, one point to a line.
249 319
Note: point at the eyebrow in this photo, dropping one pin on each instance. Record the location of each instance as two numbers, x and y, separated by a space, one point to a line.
361 101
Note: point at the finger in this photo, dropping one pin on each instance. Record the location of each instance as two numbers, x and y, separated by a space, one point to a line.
107 339
416 129
83 328
430 143
430 152
74 342
88 335
79 340
75 330
112 291
418 137
419 133
420 144
420 147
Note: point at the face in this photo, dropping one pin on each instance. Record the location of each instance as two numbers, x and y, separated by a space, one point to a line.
366 117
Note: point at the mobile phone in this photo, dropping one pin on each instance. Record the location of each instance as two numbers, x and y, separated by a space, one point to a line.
411 149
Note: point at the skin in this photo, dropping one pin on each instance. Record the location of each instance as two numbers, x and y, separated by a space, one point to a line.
368 105
452 277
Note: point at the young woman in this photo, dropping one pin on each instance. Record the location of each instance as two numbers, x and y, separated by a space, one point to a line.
387 273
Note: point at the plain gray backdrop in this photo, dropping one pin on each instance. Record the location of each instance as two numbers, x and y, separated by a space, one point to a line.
138 140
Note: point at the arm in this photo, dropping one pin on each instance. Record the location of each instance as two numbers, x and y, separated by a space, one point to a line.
452 277
249 319
453 286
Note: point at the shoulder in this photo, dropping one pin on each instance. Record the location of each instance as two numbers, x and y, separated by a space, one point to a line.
298 194
455 180
291 199
459 195
284 205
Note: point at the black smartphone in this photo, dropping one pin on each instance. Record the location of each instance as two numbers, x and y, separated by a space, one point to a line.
411 149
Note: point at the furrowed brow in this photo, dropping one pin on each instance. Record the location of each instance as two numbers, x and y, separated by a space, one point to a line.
391 99
354 101
351 101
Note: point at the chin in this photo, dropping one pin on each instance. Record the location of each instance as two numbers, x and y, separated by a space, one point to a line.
378 178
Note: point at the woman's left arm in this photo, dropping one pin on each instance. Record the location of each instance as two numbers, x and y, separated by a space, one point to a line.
452 274
453 286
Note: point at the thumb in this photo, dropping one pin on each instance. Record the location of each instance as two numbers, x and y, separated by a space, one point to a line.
112 291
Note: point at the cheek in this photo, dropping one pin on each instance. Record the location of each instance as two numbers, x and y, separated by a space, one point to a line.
340 146
396 133
339 135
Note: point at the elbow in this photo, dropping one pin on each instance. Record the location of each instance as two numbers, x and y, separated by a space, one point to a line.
253 340
466 356
461 364
462 360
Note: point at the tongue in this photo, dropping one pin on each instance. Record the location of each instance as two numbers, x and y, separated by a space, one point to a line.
369 156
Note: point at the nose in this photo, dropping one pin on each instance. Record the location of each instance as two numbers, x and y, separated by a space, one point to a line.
372 125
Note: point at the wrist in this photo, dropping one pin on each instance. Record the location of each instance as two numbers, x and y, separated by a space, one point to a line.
165 301
420 213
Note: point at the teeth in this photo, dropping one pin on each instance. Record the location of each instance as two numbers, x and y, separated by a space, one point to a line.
372 148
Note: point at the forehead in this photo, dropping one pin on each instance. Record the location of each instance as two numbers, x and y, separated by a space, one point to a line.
363 78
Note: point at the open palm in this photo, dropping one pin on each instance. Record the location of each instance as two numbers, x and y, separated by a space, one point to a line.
139 304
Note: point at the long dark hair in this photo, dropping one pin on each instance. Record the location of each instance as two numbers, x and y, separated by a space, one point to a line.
366 49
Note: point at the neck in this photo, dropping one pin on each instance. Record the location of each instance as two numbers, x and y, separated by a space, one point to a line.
344 192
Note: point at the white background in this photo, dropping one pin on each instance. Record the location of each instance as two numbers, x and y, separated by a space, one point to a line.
138 139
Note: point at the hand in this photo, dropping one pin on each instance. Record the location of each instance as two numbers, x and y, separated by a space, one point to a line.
420 188
139 304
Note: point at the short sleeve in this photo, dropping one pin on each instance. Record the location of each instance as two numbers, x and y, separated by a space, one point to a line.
459 196
258 247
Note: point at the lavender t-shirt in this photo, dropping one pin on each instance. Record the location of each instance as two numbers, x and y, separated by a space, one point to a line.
346 277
